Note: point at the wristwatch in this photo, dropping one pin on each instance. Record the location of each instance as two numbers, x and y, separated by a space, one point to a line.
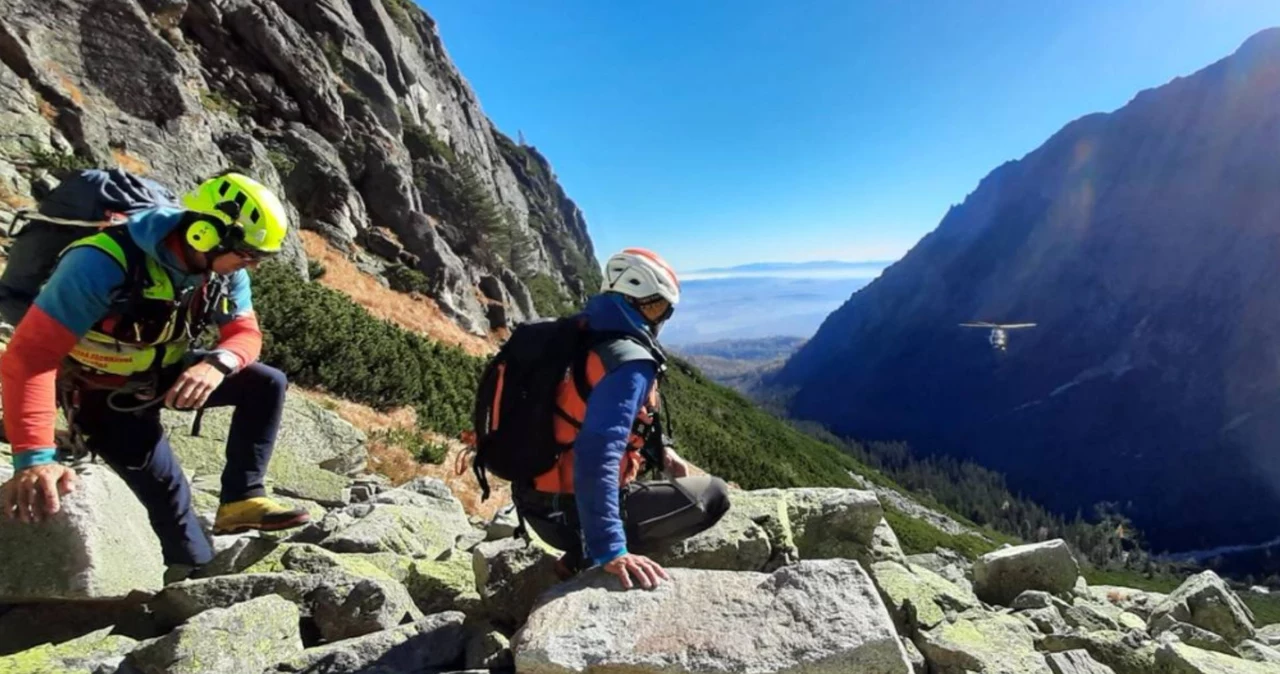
222 361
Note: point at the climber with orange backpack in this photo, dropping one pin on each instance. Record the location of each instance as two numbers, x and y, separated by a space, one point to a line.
108 330
569 411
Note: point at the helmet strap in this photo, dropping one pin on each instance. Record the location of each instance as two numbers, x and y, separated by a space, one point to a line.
232 238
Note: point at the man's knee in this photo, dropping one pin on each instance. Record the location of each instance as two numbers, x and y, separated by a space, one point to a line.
267 380
715 500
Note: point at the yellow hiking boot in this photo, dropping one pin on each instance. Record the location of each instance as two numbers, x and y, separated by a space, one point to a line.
257 513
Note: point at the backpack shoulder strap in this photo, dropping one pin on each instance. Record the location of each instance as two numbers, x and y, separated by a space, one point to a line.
617 350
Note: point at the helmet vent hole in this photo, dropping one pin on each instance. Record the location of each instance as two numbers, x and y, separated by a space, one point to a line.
230 208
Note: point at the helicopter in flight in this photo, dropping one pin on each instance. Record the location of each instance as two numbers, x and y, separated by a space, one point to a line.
999 338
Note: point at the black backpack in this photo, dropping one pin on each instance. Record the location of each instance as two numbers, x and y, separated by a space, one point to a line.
79 206
515 404
515 407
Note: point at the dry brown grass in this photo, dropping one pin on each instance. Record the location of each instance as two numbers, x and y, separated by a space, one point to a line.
392 462
68 85
363 417
464 485
399 465
129 162
15 201
47 110
421 315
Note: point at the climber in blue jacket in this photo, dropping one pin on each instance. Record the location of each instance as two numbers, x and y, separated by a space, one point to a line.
590 503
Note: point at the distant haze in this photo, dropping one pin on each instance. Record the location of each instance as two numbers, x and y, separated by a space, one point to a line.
764 299
826 269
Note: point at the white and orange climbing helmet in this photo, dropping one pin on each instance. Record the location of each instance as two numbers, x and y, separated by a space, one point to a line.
641 275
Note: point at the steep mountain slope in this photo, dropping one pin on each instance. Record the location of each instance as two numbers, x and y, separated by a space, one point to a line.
351 108
1146 244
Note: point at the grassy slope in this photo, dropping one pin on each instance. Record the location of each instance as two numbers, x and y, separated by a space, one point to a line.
727 435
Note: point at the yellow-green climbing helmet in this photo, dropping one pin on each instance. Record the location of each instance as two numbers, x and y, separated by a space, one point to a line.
240 202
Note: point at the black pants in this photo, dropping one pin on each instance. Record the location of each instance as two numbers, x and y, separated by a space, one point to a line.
654 514
135 446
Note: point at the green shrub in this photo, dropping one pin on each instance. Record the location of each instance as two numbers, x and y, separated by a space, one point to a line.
458 195
547 297
354 98
333 54
1265 607
315 270
1148 582
581 267
284 163
514 246
58 163
406 280
475 208
322 338
917 536
727 435
972 494
399 12
216 101
413 440
424 143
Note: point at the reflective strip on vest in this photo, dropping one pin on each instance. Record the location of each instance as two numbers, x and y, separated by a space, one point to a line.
108 355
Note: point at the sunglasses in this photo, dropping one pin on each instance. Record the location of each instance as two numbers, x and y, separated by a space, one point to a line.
671 309
666 313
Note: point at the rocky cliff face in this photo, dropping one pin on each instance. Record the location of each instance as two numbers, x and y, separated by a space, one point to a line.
351 108
1145 243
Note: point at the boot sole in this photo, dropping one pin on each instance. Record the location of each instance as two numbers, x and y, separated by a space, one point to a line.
264 526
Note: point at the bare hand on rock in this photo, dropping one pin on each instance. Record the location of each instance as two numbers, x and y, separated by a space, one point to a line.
35 493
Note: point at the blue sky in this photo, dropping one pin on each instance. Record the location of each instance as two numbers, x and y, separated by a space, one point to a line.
720 133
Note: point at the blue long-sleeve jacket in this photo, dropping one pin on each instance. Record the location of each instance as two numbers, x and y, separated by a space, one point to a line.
602 441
